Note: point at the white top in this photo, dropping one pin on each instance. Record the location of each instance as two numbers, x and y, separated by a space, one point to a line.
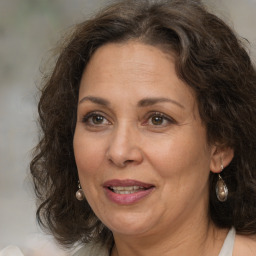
92 250
228 246
11 250
96 250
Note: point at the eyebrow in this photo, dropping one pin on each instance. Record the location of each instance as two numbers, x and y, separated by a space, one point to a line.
152 101
142 103
96 100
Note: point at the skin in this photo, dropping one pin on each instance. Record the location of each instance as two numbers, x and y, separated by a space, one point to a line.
244 245
122 140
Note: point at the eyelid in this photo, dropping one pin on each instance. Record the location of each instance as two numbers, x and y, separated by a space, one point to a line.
157 113
94 113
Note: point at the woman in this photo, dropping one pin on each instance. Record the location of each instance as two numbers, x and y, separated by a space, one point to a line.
149 119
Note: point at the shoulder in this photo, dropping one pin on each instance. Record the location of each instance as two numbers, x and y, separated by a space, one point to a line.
92 249
245 245
11 250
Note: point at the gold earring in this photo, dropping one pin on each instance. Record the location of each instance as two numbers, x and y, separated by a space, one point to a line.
79 193
221 188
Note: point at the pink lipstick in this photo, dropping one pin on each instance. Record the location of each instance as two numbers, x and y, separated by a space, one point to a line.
126 192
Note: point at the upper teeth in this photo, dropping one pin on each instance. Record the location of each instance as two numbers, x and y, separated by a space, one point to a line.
126 190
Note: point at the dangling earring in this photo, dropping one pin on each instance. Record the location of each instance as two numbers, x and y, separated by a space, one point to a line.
79 193
221 188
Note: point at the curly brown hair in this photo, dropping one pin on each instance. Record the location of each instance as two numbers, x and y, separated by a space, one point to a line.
209 58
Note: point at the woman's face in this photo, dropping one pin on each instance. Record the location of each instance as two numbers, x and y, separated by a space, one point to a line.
140 145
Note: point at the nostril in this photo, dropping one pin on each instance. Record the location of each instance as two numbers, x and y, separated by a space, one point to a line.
128 161
121 163
123 156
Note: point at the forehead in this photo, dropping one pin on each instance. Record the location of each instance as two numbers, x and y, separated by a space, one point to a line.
134 68
134 55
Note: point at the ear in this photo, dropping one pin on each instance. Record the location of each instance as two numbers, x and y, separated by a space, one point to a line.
220 156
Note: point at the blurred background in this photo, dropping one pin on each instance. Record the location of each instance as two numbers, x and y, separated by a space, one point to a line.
29 30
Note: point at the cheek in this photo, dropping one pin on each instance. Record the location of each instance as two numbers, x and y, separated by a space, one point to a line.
88 157
88 154
182 155
183 165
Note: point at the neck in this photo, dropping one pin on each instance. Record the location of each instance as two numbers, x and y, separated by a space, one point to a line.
202 239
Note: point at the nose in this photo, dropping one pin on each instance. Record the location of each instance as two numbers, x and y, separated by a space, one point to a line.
124 148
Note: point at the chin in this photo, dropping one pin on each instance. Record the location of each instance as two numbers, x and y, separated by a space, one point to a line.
129 230
129 225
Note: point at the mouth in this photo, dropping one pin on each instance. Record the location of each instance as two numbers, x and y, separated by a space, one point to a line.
126 186
127 191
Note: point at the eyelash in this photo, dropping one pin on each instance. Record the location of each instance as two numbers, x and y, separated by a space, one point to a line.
87 119
164 117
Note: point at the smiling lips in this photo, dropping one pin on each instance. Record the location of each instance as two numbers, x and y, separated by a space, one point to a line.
126 192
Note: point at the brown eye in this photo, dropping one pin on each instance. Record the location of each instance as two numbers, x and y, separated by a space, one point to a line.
97 119
157 120
94 119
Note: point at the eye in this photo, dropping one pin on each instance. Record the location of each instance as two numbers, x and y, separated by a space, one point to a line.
95 119
159 119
